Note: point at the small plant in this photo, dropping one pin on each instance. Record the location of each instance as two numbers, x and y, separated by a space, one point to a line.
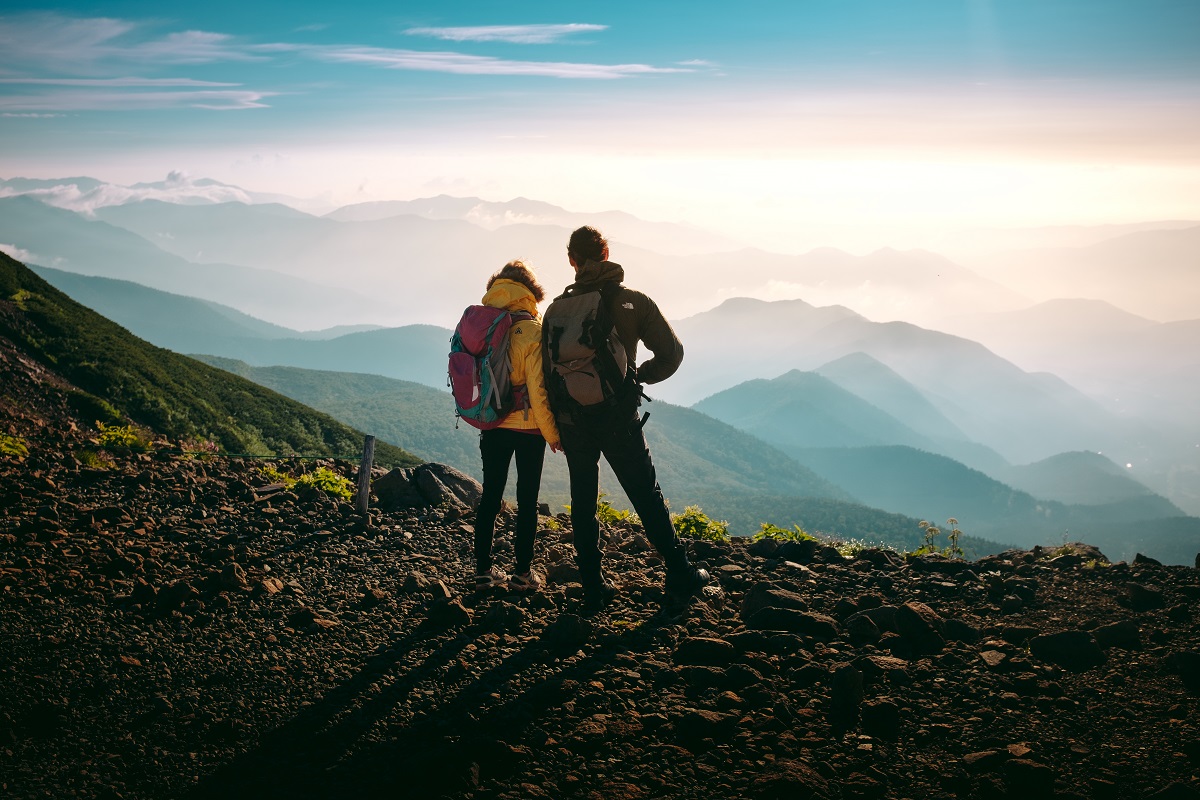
326 480
95 460
275 476
693 523
552 524
196 447
931 532
849 548
13 446
609 515
122 438
771 531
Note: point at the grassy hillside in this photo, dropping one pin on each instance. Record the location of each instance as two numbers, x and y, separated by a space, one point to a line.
700 461
121 375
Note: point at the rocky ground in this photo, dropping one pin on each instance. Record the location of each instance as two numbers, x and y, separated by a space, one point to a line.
175 628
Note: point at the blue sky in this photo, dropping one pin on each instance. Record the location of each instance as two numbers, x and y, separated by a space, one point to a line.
882 115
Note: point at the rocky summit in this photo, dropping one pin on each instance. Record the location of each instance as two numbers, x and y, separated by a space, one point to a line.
192 628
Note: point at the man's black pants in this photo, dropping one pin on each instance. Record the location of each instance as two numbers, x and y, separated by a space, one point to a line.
497 447
617 436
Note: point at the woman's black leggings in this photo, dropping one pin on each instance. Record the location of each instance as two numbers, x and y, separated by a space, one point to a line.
497 447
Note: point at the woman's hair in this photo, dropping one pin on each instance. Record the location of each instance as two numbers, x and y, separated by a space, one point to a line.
517 271
586 245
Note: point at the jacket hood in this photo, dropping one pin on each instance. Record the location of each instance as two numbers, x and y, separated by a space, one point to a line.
511 295
593 272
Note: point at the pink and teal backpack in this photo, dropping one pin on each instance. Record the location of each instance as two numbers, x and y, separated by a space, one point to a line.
480 370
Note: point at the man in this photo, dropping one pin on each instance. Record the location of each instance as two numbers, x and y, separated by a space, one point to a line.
613 428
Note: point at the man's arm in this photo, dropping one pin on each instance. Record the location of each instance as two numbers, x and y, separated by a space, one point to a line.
658 336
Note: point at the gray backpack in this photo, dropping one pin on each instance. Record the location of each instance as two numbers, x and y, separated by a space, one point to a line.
584 361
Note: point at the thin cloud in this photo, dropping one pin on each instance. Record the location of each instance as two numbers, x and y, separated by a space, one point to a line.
55 43
463 64
118 82
516 34
134 101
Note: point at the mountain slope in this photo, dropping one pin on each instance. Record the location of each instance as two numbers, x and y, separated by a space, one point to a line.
700 461
1022 416
118 374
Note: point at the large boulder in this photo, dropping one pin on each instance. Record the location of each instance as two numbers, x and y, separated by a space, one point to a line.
427 485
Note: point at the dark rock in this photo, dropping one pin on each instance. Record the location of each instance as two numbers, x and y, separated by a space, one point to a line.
1175 791
1144 598
415 582
801 552
763 548
1186 665
764 595
1019 634
426 485
884 617
790 780
818 626
445 614
881 719
1072 650
1141 560
174 595
562 572
1125 634
846 691
957 630
920 627
877 668
569 631
233 577
862 630
880 559
1028 778
703 651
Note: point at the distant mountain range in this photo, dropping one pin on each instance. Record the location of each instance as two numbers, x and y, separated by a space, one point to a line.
823 382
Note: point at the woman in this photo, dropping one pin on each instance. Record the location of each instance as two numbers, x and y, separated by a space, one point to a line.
525 432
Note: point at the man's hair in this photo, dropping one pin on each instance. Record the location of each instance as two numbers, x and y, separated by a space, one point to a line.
587 245
522 274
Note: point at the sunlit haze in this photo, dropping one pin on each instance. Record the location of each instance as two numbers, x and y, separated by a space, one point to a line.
782 125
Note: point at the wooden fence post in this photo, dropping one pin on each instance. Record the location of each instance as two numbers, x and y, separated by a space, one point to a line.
364 474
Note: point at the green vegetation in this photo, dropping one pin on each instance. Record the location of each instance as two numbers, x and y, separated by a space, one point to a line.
13 446
123 438
95 460
770 531
177 397
273 475
321 479
326 480
693 523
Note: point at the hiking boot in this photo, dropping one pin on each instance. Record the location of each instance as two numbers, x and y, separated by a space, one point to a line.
493 577
525 582
597 596
687 581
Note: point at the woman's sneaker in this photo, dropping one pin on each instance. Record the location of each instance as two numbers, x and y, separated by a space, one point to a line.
525 582
493 577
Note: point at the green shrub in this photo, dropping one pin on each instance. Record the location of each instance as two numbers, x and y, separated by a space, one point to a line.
273 475
693 523
123 438
771 531
95 460
326 480
13 446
